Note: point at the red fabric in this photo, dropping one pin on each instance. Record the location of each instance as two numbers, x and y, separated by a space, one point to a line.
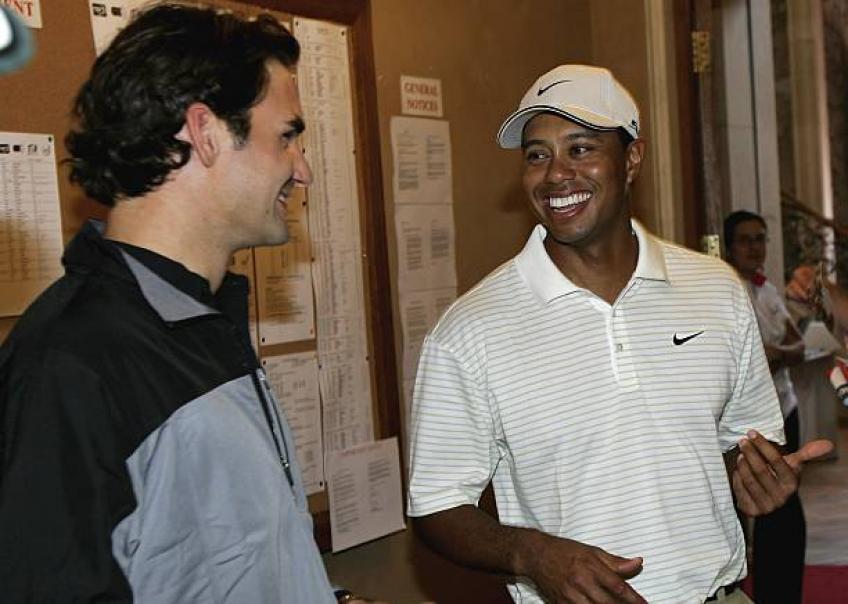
748 586
822 585
758 279
825 584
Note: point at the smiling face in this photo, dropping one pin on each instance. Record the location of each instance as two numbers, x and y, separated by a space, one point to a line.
261 171
577 179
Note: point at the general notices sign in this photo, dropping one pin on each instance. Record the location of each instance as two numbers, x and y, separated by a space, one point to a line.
421 96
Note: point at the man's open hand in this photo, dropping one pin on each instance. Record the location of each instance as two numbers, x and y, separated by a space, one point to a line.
764 478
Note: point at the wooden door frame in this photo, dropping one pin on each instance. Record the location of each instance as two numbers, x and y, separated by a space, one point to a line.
691 155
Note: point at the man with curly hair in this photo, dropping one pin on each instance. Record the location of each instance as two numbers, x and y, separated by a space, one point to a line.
142 454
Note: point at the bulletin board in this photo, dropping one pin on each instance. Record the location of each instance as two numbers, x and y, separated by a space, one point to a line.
337 260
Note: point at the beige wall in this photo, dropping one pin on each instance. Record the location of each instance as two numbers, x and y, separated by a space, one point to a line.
487 53
618 42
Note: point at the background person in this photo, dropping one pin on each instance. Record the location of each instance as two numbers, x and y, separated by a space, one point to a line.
779 537
818 295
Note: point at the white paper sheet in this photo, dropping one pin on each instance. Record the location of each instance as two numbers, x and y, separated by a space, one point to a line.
345 424
30 221
108 17
242 264
421 152
818 341
365 493
344 373
426 246
284 278
419 311
294 380
424 231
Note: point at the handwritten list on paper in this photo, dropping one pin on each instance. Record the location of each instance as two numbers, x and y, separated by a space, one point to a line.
365 493
294 381
344 370
30 221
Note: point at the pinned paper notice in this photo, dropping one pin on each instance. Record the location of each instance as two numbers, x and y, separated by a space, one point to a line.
365 493
421 156
421 96
30 222
28 10
108 17
294 381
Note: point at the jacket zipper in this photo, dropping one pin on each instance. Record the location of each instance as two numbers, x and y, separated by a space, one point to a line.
260 384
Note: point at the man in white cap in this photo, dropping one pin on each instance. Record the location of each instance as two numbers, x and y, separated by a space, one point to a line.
601 380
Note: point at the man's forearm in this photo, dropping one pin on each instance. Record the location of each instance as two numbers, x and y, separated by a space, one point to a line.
471 537
561 569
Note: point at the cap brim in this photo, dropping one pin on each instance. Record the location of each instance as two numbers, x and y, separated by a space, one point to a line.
512 130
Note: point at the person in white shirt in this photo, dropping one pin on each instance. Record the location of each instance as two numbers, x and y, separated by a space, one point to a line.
779 537
600 380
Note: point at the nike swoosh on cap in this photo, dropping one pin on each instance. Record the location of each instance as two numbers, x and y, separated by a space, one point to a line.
682 340
544 89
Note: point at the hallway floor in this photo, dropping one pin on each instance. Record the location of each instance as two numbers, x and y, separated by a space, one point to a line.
824 493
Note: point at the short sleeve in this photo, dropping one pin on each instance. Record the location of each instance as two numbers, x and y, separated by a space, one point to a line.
453 451
753 403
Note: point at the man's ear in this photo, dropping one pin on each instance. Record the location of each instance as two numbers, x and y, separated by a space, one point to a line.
633 156
202 131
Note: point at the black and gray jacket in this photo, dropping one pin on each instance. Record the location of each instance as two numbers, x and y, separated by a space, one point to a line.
142 455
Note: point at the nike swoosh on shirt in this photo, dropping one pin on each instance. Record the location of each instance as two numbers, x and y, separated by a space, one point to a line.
678 340
544 89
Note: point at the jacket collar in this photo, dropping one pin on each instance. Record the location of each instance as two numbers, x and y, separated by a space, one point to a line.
89 250
171 303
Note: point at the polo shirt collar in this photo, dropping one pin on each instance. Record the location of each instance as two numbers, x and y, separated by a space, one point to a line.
651 264
547 282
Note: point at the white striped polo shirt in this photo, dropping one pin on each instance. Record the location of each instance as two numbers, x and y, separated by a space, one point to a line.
596 422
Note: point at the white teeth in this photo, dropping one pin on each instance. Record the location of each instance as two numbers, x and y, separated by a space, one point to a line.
569 200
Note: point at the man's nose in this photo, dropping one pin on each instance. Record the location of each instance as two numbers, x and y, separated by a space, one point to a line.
560 169
302 174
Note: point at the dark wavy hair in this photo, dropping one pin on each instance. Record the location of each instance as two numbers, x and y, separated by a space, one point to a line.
132 106
733 220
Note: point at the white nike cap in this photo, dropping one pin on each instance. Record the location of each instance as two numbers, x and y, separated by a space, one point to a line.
588 95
